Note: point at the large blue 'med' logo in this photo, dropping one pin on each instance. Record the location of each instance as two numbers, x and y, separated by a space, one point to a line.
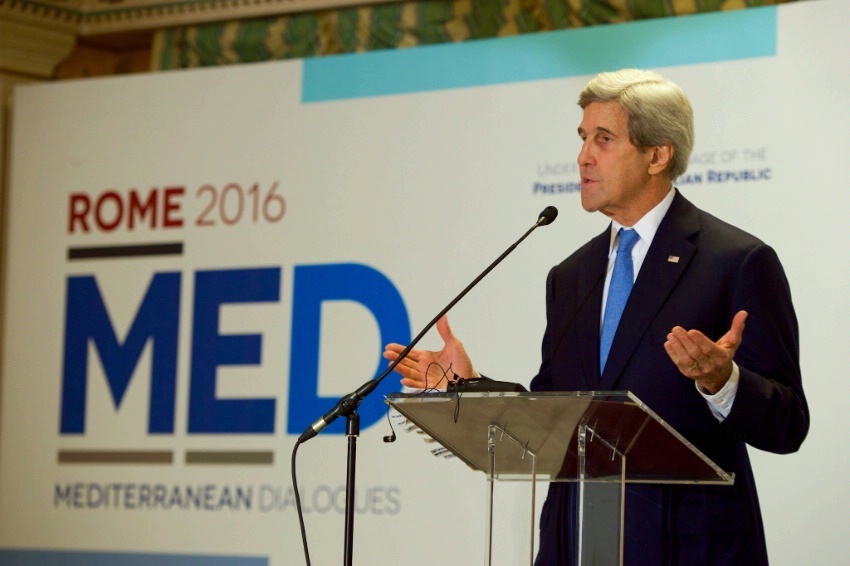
157 322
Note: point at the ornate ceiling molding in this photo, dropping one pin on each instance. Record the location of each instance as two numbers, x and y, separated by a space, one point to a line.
95 17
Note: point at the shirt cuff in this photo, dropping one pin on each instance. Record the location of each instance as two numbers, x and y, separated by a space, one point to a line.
721 402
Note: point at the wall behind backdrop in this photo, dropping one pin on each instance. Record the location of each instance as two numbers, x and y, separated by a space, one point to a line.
299 214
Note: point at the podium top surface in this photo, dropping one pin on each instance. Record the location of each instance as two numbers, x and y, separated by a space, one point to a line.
526 436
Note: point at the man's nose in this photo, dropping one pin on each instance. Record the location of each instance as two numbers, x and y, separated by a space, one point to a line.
585 156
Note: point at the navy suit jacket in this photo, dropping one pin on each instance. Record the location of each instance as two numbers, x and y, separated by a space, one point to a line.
698 272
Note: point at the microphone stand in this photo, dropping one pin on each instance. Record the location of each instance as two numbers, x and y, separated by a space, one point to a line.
347 406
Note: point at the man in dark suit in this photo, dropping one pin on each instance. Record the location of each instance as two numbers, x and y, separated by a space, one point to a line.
663 318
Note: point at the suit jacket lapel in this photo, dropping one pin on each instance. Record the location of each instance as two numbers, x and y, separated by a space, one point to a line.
590 287
657 278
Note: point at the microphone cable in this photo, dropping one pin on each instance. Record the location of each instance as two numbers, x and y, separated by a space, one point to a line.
298 505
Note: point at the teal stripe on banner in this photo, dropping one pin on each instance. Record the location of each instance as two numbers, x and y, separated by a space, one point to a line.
684 40
72 558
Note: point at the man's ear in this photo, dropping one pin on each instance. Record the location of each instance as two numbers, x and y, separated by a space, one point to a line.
660 158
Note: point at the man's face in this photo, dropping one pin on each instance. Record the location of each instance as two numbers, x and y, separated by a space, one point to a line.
614 172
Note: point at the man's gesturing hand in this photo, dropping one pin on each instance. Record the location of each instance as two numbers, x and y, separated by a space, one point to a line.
706 362
424 369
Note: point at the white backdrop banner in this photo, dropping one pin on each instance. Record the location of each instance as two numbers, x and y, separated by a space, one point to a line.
201 263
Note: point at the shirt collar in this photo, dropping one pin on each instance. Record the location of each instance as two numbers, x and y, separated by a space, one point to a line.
647 226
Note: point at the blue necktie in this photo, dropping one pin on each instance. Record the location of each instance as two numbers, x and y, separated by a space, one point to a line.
618 293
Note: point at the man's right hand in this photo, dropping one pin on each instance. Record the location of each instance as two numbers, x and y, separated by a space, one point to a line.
424 369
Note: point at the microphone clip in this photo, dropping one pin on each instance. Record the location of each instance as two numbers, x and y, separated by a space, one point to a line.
483 384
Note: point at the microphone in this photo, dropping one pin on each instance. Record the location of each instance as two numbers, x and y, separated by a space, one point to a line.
350 402
345 405
549 214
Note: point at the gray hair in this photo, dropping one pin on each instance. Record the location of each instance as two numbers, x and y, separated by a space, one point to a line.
659 112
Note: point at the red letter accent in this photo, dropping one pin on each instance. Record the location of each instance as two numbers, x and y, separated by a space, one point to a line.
136 206
77 214
170 221
109 226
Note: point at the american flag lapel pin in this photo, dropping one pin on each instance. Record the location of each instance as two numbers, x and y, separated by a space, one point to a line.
673 258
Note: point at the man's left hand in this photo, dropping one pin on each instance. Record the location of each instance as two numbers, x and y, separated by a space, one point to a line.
706 362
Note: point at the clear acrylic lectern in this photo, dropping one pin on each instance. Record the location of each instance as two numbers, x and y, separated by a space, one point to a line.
602 440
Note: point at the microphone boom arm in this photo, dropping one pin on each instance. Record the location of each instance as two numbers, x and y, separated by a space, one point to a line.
350 402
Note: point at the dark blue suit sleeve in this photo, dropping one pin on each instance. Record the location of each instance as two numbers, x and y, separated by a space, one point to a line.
770 411
543 380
